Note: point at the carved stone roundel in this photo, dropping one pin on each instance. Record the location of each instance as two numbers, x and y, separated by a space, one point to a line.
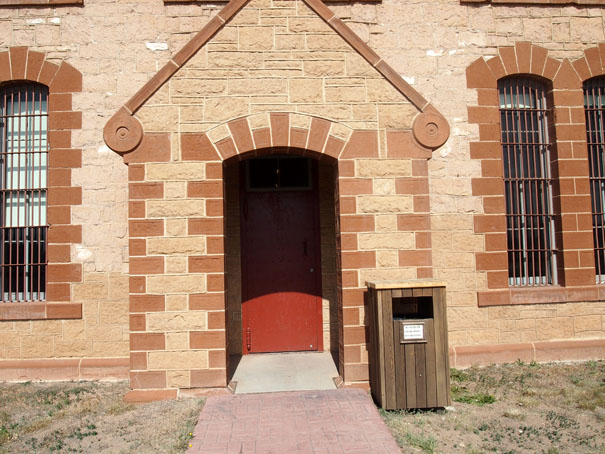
431 129
123 132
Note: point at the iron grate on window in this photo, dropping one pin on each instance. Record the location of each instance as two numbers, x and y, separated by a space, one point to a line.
594 108
23 191
528 183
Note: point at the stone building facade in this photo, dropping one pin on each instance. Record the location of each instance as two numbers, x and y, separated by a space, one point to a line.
156 109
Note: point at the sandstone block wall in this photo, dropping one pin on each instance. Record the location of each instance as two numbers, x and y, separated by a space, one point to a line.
277 57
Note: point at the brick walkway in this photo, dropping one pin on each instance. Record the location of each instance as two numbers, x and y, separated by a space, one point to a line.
343 421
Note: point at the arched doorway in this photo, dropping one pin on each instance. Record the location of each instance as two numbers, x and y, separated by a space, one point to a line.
281 274
280 255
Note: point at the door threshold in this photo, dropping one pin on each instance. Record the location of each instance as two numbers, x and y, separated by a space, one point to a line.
290 371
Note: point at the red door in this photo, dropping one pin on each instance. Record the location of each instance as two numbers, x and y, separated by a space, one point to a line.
281 291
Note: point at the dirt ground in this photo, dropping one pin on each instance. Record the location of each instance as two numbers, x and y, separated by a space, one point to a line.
513 408
90 417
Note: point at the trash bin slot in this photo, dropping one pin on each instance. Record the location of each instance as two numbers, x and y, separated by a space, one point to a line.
411 308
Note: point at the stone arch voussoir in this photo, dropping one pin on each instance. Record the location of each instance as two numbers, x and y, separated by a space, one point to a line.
21 63
246 135
522 58
591 64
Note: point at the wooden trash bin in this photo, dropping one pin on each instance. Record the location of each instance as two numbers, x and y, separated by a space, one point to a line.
409 364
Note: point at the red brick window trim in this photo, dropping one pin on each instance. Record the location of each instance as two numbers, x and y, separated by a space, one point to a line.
22 65
571 188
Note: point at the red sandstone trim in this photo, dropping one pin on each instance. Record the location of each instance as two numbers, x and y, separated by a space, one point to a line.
40 311
483 355
150 395
541 295
572 196
64 369
590 65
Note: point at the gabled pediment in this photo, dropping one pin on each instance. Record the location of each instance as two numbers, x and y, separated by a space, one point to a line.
304 32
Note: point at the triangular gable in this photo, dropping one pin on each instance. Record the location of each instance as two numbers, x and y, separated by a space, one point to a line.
123 132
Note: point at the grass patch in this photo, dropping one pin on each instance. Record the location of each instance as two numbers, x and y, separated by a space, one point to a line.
91 417
513 408
427 444
463 395
458 375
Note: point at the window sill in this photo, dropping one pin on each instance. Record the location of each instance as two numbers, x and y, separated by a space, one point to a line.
541 295
40 311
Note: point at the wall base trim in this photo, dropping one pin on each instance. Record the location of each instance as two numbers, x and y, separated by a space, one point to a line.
20 370
483 355
139 396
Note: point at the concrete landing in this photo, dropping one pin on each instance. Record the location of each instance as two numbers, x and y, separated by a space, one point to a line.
271 372
343 421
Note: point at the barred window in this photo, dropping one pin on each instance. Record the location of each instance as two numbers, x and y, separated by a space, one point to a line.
594 107
23 183
524 117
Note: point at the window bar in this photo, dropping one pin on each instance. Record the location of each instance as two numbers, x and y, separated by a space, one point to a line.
3 175
596 177
510 159
548 219
597 133
538 241
39 197
596 163
32 197
13 186
514 193
535 186
8 194
27 222
20 250
521 187
594 109
594 171
531 186
589 95
518 187
506 173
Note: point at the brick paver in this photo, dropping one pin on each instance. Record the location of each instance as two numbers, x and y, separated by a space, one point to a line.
302 422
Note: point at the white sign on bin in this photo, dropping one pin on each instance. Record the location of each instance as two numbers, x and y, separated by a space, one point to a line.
413 332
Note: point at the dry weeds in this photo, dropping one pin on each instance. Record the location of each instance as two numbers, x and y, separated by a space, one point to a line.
511 409
90 417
